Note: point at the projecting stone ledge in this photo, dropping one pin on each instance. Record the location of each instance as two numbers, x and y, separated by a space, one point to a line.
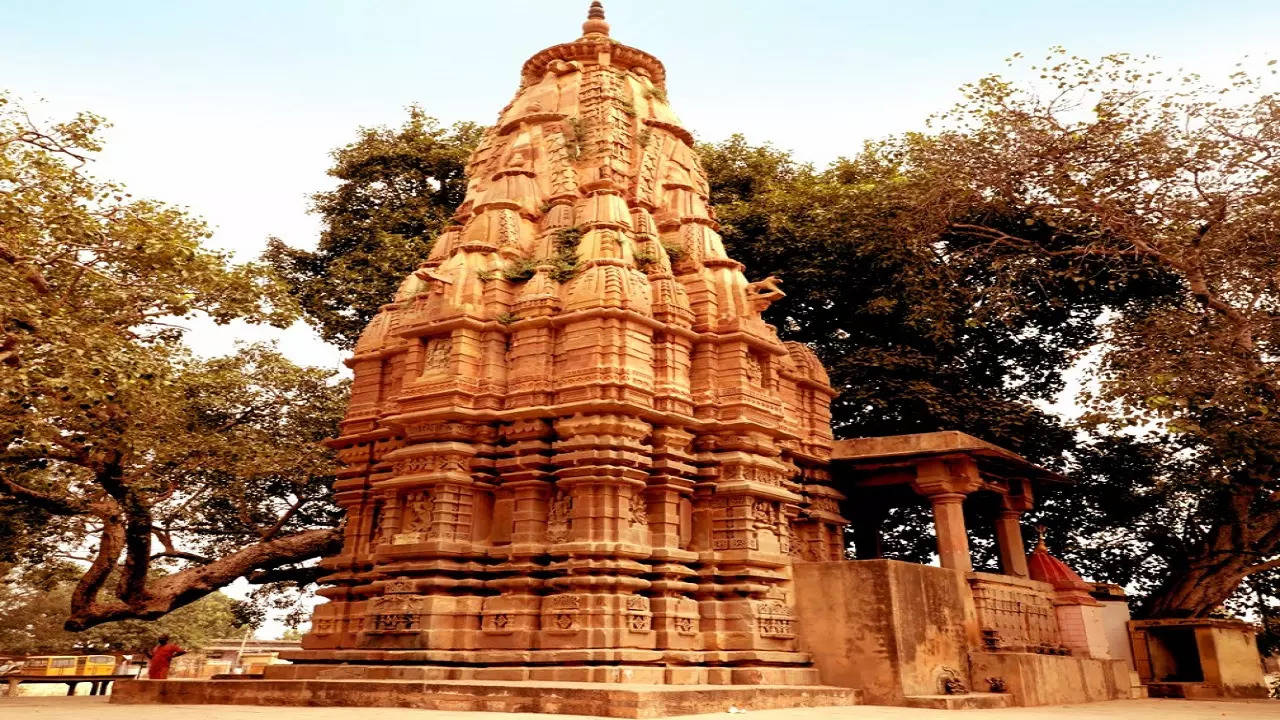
592 698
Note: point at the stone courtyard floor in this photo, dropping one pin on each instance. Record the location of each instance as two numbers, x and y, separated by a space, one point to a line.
97 708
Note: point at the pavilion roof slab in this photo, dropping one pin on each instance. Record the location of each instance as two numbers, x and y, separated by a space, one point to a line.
890 451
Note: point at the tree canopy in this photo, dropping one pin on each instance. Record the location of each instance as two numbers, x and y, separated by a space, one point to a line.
1115 166
112 438
916 336
33 609
397 188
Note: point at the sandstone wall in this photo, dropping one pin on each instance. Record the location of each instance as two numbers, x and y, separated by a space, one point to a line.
1035 679
885 627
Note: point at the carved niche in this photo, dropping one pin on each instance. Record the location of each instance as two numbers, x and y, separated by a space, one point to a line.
558 517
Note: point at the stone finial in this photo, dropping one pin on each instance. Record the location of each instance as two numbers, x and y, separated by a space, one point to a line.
595 24
1046 568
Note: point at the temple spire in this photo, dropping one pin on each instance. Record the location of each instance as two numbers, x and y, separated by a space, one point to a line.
595 24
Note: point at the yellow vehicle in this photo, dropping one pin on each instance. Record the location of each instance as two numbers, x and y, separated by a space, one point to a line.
96 664
57 665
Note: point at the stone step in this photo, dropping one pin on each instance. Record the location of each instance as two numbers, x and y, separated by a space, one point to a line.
620 700
972 701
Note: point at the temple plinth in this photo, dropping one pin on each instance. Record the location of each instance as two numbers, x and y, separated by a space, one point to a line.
571 430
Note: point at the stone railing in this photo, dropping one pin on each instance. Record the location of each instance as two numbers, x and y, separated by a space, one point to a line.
1015 614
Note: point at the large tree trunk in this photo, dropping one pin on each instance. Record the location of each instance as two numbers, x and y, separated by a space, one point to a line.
1240 542
1196 590
183 588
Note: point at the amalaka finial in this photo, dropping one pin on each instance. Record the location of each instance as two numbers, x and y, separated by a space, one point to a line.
595 24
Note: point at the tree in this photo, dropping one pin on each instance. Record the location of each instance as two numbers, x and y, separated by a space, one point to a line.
112 439
33 607
897 325
397 189
1118 165
908 330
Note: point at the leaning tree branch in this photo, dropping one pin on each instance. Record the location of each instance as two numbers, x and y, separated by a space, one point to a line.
1263 567
285 518
110 543
49 502
181 555
186 586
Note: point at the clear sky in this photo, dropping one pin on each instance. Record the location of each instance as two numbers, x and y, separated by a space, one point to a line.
230 107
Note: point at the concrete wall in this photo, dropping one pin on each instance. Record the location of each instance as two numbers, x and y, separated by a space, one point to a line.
1231 661
1082 629
883 626
1115 627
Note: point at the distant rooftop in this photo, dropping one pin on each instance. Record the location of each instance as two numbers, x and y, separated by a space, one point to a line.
254 645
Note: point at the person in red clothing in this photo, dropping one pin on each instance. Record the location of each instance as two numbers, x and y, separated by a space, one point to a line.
161 656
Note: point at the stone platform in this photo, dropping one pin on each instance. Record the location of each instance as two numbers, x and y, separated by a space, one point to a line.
621 700
970 701
598 672
624 665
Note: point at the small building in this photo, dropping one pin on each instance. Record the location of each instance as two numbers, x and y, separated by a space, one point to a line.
231 656
1198 658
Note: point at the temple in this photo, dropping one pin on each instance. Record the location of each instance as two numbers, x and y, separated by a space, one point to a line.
571 434
576 453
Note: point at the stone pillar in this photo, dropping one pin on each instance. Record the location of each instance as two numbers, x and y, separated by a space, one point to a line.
946 481
948 526
675 612
598 525
1013 553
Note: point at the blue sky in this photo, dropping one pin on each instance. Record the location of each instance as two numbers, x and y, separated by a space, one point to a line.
230 107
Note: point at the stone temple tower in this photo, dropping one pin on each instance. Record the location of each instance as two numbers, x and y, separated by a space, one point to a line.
571 434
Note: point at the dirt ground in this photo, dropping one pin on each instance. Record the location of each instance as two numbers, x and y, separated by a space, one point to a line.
95 708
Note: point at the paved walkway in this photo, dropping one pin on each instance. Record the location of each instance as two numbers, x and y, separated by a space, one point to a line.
93 708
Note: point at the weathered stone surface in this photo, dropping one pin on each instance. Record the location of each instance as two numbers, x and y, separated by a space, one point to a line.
1036 679
972 701
899 625
904 627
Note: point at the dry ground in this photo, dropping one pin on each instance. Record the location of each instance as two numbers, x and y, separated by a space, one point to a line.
93 708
